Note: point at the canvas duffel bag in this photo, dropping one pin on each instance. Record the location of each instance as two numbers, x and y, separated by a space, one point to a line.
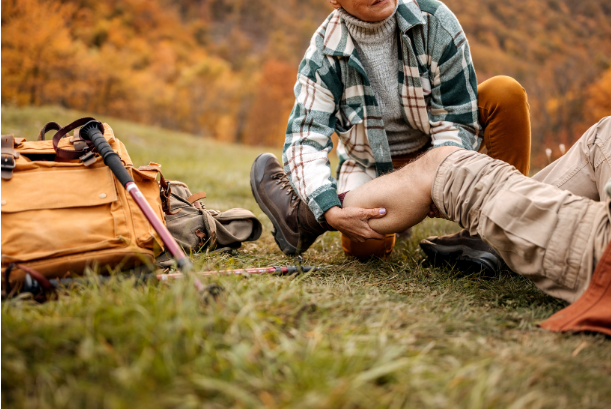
63 210
196 228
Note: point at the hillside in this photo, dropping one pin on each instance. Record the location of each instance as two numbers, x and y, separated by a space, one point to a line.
382 334
226 68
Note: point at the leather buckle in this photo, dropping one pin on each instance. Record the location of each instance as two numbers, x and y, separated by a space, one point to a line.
9 154
8 161
88 158
81 146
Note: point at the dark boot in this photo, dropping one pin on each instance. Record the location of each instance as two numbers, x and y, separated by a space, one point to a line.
295 227
468 253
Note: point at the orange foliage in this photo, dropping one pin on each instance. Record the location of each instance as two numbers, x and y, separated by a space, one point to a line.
598 104
271 102
37 51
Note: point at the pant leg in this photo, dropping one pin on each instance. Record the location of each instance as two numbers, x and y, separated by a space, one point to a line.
586 167
551 236
505 115
369 248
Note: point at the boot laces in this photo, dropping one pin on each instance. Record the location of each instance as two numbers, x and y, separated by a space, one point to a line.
283 180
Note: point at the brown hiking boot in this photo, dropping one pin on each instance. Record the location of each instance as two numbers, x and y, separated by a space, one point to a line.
295 227
468 253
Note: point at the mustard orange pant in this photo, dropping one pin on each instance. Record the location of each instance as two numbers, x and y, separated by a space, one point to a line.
505 115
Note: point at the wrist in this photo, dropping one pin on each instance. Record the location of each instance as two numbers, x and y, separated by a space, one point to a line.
331 214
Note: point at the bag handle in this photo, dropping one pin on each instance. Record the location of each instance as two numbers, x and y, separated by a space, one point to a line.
49 126
65 153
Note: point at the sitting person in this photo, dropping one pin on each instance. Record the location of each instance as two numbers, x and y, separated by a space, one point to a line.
551 235
393 79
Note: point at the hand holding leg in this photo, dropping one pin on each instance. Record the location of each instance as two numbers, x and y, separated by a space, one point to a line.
405 194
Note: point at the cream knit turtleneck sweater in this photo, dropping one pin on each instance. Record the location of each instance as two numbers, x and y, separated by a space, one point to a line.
377 46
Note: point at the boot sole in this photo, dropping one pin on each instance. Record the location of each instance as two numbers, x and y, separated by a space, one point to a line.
279 238
461 256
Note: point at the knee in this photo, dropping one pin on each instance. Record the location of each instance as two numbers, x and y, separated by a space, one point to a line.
502 91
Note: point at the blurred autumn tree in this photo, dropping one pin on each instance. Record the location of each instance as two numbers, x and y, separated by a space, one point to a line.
226 68
598 98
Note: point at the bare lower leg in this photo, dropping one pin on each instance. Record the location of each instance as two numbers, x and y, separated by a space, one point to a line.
405 194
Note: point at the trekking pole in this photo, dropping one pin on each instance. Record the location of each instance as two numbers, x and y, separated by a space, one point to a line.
245 271
93 131
32 284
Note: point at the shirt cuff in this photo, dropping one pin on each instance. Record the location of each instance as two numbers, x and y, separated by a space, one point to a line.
322 202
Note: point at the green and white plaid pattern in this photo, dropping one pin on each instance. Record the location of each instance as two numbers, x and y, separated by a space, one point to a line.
438 91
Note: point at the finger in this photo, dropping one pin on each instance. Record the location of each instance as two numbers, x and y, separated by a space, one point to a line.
372 234
353 237
376 213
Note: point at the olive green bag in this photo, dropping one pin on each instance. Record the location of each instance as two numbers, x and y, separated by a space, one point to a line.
197 229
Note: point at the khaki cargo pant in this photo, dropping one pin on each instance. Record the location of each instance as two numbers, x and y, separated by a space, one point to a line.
551 228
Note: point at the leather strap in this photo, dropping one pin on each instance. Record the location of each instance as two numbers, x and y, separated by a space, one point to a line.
49 126
67 154
196 196
9 154
165 190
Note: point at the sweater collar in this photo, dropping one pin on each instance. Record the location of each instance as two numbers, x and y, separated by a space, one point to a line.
338 42
366 32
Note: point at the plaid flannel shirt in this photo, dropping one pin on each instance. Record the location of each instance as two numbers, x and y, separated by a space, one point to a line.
437 86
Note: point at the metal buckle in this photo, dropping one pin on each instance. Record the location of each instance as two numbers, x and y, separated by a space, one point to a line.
88 158
6 165
81 146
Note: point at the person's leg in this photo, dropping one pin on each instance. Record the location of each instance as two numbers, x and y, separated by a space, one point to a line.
586 167
405 193
549 235
524 220
504 114
350 177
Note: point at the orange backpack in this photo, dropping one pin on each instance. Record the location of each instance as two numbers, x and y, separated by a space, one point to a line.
63 210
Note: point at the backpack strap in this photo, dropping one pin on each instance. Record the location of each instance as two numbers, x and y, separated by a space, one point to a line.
9 154
193 199
65 154
49 126
165 190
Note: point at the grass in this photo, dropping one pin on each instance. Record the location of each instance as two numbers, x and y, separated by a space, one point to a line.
380 334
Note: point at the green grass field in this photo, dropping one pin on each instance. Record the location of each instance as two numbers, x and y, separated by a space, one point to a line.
380 334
